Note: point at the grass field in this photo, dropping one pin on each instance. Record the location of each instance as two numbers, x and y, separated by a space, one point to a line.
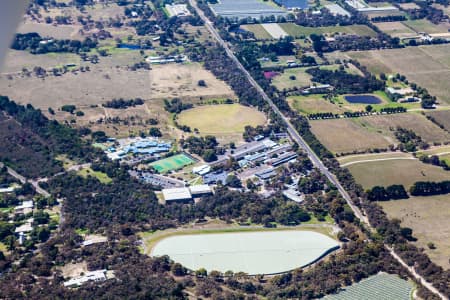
353 159
396 29
258 30
401 171
102 177
297 31
428 66
175 162
423 25
313 104
346 135
429 217
282 81
442 117
426 129
223 120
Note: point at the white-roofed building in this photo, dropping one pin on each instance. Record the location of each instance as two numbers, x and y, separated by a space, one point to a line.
201 170
200 190
182 195
25 208
98 275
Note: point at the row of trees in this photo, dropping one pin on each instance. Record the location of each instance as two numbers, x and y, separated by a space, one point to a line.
392 192
122 103
34 43
206 147
345 83
427 188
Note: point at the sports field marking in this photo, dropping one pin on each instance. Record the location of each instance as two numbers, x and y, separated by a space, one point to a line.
172 163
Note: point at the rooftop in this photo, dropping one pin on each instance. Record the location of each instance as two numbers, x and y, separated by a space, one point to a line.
174 194
200 189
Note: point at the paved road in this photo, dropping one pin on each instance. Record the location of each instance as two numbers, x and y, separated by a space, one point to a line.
23 180
299 140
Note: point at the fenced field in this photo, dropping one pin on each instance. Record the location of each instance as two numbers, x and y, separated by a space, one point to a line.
175 162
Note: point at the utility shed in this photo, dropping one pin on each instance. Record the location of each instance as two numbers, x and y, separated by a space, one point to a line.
182 195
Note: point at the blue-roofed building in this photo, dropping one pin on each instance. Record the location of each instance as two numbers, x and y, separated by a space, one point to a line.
293 4
246 8
215 177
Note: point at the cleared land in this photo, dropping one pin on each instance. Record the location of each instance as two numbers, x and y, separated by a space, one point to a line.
175 162
49 30
401 171
396 29
296 30
105 81
224 120
274 30
442 117
264 252
429 217
283 81
378 287
258 30
428 66
423 25
313 104
346 135
122 122
426 129
102 177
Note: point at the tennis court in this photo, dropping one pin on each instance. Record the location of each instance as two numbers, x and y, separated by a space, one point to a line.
175 162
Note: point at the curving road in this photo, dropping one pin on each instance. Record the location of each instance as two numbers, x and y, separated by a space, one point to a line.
299 140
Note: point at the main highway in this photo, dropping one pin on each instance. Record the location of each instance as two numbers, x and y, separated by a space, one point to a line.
301 142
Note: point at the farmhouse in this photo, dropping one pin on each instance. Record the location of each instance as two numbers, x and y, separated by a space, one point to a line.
98 275
318 89
25 208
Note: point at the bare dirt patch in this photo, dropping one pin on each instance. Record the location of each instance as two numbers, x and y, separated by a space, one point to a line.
105 83
345 135
178 80
74 270
429 217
